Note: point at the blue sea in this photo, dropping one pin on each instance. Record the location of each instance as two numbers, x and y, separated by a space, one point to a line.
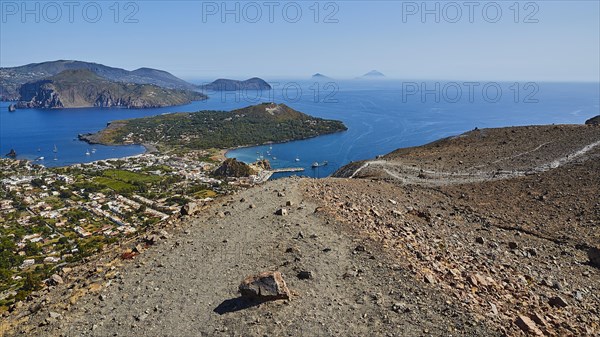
381 116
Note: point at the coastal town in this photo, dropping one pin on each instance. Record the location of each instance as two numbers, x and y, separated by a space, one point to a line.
51 217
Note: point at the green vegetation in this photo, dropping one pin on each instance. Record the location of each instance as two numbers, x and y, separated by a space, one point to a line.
253 125
130 177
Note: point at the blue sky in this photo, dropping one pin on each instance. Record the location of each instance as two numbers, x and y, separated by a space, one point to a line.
190 39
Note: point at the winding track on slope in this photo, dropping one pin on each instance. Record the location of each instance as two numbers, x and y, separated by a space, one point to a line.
444 178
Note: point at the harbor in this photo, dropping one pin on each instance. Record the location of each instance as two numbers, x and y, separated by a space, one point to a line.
265 175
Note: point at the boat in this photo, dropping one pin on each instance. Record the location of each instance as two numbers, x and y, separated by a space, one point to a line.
87 153
40 158
55 149
297 158
93 150
274 158
316 164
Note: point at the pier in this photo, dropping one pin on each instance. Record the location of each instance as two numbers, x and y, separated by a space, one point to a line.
265 175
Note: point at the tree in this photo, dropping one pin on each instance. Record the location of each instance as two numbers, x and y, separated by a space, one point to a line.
32 282
8 258
32 248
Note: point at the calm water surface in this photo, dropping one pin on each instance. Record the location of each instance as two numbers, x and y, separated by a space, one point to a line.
380 119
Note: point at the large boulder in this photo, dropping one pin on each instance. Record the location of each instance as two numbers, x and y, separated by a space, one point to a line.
12 154
593 121
233 168
266 286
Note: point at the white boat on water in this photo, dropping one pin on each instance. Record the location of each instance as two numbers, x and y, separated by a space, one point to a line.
316 164
87 153
40 158
55 149
297 158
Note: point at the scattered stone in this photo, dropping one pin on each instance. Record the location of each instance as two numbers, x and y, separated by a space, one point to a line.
55 315
539 319
428 277
400 307
55 280
190 208
281 211
375 213
305 275
527 325
280 194
243 200
266 286
512 245
396 213
289 203
558 301
293 250
141 317
494 309
251 206
480 240
393 202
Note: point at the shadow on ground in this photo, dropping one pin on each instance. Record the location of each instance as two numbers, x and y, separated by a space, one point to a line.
236 304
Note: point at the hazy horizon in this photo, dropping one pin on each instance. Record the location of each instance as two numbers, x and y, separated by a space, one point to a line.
554 41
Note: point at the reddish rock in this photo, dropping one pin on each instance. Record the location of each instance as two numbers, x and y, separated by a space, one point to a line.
266 286
527 325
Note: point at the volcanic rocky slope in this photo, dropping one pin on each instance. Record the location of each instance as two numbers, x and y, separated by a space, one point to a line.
489 233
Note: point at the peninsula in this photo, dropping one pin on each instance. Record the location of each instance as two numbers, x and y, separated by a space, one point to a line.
253 125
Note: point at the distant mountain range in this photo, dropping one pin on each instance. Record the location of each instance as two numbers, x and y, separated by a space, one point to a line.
11 79
83 88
